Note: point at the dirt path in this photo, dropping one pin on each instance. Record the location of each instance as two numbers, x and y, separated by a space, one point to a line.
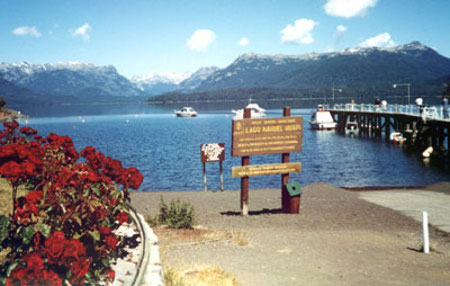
338 239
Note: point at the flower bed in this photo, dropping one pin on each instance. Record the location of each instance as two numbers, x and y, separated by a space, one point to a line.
63 230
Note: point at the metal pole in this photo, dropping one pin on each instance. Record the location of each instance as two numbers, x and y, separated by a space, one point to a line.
285 198
221 176
204 176
409 101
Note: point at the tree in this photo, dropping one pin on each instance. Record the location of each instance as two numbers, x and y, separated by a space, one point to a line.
2 102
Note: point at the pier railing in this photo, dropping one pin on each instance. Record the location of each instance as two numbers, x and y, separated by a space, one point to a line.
428 112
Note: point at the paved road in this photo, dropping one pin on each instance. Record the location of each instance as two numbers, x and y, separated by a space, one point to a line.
412 202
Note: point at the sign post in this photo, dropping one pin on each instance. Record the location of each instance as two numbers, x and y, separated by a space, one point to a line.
244 180
267 136
213 152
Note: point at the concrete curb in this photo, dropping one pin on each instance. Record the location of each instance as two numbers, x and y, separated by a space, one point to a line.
150 271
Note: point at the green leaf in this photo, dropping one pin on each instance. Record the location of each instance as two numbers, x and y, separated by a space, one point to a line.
95 235
105 262
27 234
11 268
4 225
44 229
96 189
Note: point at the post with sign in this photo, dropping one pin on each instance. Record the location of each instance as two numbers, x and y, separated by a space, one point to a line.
213 152
268 136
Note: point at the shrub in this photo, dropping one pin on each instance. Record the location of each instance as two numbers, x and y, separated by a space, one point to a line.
63 230
176 215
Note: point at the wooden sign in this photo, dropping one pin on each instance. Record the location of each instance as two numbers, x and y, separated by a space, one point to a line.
213 152
269 169
266 136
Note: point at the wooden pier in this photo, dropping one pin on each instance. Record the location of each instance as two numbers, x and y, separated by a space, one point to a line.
422 129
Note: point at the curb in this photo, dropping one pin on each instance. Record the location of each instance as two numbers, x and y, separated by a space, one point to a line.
150 271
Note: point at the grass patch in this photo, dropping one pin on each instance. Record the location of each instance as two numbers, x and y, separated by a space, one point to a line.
199 275
176 215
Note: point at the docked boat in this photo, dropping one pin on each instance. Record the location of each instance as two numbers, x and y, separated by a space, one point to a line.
351 127
186 112
322 120
397 138
255 109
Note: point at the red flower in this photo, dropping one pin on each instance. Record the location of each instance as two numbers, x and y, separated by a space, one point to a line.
10 171
111 274
122 217
73 249
104 230
54 246
28 131
133 178
79 269
35 264
111 241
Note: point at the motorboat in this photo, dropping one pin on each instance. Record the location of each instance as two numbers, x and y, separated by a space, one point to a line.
322 119
351 127
255 110
397 138
186 112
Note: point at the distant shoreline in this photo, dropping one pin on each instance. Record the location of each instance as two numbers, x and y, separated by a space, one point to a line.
8 114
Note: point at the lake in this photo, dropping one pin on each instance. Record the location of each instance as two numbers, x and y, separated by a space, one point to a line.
166 149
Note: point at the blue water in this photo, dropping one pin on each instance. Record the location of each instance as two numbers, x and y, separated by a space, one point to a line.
166 150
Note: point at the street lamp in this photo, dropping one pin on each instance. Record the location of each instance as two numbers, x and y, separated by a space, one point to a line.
335 89
404 84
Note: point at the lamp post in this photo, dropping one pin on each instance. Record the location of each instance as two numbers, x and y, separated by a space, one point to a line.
408 85
335 89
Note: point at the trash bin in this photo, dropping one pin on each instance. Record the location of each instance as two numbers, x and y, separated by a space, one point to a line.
295 193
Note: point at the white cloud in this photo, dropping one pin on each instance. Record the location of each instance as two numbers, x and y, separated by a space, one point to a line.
348 8
200 40
26 31
341 29
243 42
82 31
382 40
299 33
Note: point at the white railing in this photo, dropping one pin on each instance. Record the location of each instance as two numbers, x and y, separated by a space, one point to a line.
428 112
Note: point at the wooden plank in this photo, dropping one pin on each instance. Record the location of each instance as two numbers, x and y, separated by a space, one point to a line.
266 136
263 170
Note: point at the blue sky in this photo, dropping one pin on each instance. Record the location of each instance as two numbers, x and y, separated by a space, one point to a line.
139 37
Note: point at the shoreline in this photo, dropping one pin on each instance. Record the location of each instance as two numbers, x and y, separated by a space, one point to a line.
338 238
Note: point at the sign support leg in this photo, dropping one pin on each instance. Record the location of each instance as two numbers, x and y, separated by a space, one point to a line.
285 177
204 176
244 180
221 176
244 188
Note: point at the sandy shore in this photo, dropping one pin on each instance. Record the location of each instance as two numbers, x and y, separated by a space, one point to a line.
338 239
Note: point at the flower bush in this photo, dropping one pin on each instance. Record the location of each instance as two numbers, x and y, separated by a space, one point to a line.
63 230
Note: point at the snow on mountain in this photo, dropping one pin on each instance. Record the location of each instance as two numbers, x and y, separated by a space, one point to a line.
196 78
159 82
68 78
356 66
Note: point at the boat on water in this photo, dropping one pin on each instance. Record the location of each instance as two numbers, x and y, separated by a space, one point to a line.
397 138
186 112
322 119
255 110
351 127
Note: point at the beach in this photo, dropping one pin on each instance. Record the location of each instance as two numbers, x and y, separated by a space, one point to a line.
338 238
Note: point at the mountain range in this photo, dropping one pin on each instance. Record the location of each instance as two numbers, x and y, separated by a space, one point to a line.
356 69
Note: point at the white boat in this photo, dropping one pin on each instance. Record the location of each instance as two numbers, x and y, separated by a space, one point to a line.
322 120
352 127
397 138
255 110
186 112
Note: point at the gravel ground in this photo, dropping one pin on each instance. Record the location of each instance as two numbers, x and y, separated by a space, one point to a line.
337 239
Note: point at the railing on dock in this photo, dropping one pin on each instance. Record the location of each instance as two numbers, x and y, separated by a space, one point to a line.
429 112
